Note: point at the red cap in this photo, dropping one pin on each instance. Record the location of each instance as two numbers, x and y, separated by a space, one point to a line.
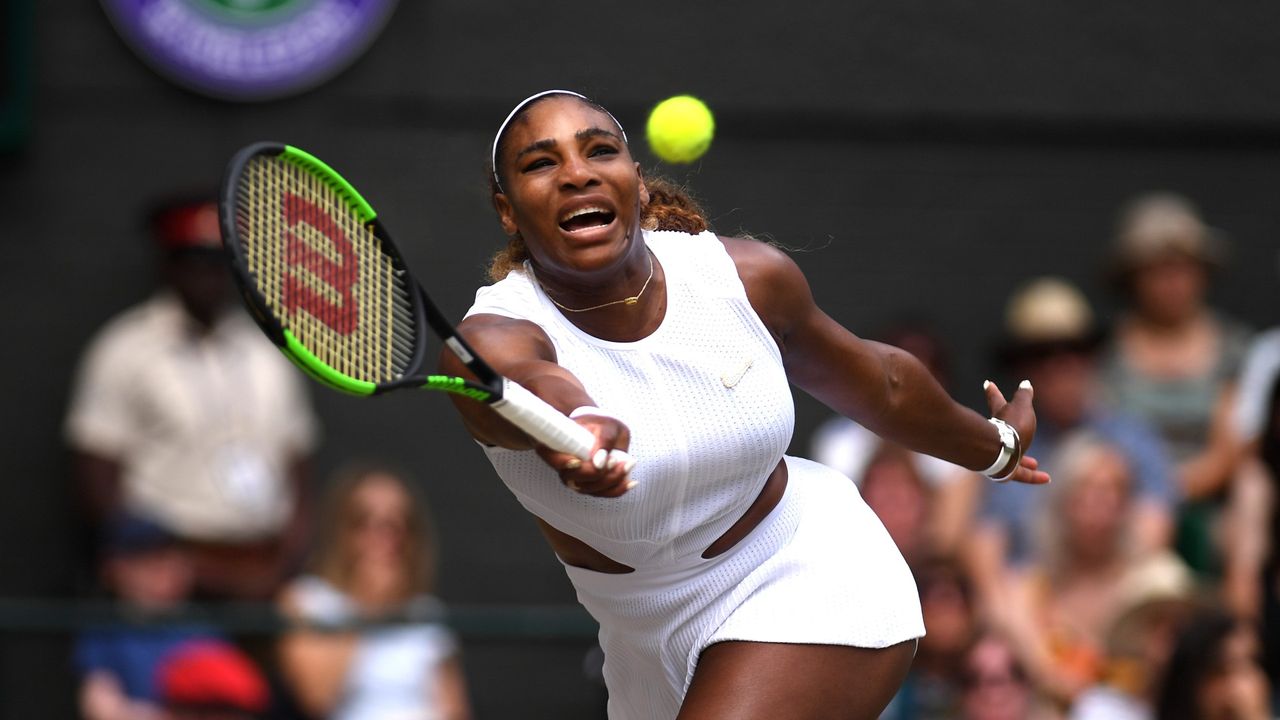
212 674
187 226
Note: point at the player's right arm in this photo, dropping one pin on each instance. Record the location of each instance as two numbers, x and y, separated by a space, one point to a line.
521 351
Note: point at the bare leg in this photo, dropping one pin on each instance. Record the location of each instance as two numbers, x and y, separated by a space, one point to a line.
750 680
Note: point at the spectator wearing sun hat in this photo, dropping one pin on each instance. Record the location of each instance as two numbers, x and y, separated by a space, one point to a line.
1172 359
1051 338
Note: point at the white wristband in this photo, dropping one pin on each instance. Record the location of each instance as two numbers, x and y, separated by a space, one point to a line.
1010 444
592 410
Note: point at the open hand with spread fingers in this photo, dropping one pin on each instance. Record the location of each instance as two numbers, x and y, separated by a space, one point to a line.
1016 420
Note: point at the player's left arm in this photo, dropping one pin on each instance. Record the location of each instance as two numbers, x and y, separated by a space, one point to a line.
884 388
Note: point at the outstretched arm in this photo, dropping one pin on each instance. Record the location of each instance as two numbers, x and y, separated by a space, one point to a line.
521 351
884 388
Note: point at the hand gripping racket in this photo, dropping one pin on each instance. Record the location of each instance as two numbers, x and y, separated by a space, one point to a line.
324 282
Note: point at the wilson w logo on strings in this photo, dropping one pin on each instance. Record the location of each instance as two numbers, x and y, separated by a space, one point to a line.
322 268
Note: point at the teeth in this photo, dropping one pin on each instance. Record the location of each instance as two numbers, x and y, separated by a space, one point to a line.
581 211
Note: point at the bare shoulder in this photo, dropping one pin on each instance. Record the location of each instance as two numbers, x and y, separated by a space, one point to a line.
758 260
775 285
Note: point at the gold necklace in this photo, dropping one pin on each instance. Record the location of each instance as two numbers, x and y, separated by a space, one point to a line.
624 301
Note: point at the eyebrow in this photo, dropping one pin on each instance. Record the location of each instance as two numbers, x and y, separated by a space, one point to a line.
582 134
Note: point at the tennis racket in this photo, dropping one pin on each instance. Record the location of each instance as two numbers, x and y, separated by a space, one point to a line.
324 281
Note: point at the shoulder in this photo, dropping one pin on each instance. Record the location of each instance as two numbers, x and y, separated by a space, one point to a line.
1236 337
313 598
1262 358
131 325
126 340
508 311
513 296
759 260
775 285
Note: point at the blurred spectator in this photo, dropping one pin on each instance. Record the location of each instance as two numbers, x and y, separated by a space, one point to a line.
1213 673
995 684
1258 376
845 445
150 575
183 413
1060 609
1252 580
1173 360
933 688
211 680
892 487
1154 603
376 561
1051 339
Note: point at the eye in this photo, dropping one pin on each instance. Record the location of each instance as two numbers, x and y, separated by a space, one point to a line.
600 150
536 164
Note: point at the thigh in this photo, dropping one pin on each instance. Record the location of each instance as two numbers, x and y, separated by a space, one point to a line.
748 680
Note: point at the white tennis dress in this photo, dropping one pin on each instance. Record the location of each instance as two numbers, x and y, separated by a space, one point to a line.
710 412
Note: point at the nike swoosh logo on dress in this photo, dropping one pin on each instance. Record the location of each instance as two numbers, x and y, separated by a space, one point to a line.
732 376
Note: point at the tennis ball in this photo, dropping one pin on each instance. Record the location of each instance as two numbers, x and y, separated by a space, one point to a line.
680 129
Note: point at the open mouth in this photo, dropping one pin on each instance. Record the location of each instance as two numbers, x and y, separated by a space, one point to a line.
585 219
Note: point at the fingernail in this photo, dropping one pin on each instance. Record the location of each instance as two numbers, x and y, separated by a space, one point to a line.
630 484
572 485
1025 384
615 457
573 464
620 457
631 462
986 384
599 458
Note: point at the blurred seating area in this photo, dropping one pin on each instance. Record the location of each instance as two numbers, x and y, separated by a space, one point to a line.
1141 583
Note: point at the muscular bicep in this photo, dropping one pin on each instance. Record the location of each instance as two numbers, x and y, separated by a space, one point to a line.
884 388
521 351
821 357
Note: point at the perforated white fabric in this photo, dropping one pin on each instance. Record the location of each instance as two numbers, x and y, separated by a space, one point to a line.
711 413
705 398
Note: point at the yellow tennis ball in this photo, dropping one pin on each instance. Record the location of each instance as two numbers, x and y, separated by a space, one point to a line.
680 129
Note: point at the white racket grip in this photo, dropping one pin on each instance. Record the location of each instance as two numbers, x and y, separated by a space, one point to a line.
542 422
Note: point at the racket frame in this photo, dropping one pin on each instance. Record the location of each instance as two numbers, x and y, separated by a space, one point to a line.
425 314
527 411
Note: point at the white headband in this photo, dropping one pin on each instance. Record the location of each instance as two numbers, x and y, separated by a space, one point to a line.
493 153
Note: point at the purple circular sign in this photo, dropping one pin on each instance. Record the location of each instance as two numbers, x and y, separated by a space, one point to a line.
249 49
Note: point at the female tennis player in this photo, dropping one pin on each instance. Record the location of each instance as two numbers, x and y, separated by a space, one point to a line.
729 580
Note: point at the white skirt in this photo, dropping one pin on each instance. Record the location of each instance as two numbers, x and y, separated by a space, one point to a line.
820 568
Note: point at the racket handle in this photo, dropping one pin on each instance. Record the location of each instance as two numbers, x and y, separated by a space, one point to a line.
542 422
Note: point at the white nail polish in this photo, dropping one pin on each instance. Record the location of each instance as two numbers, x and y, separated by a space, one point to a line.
1025 384
599 458
986 384
619 457
630 484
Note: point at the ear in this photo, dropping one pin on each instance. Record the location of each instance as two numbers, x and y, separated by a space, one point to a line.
644 191
506 214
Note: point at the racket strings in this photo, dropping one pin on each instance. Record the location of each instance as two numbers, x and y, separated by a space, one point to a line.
324 272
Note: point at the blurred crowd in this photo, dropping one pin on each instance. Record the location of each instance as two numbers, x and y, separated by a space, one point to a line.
191 439
1142 583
